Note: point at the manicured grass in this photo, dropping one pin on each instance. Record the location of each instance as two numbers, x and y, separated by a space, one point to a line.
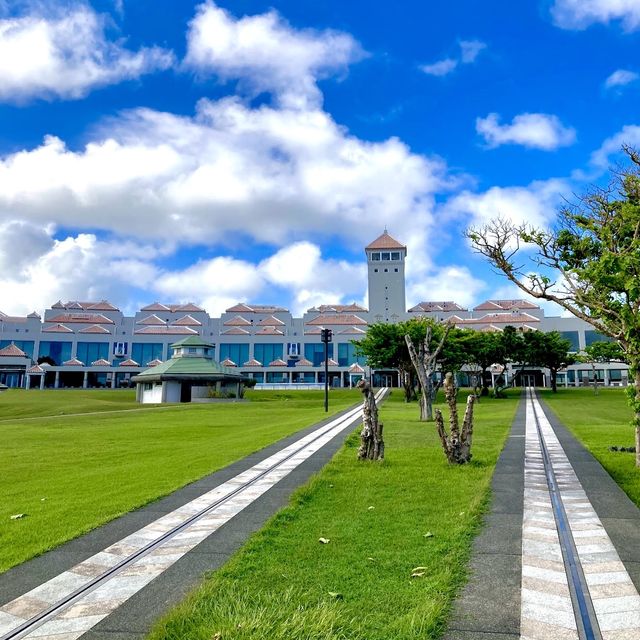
601 421
71 474
285 584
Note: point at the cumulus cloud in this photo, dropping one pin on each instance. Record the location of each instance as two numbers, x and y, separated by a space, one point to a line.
450 282
533 130
536 204
267 54
65 56
620 78
469 51
580 14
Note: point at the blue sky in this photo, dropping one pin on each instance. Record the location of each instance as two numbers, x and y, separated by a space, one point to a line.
232 151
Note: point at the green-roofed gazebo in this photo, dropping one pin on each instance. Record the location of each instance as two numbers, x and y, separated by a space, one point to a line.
190 374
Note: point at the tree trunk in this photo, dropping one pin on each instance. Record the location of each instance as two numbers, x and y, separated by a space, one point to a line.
456 445
554 382
636 408
371 442
426 406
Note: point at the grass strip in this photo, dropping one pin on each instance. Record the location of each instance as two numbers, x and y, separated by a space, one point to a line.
599 422
72 474
383 521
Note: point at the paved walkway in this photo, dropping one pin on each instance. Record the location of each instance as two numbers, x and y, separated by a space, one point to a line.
117 580
559 558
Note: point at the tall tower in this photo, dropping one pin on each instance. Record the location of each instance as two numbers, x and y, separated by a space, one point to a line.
385 259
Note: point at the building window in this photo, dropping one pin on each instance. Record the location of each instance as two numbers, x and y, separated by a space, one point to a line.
315 353
267 353
89 352
375 271
385 255
375 257
59 352
143 353
238 353
386 270
396 269
395 255
593 336
347 355
572 337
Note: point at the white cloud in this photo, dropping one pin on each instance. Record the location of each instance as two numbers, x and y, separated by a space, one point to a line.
272 174
620 78
451 282
536 204
612 146
469 51
267 53
65 56
534 130
580 14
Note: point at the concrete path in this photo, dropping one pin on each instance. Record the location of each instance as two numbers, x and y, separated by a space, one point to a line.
114 582
559 557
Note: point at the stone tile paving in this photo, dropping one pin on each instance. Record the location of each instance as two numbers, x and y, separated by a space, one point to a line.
86 611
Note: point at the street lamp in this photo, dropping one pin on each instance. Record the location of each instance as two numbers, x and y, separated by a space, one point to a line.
326 336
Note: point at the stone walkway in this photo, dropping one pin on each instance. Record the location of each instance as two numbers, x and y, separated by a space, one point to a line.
94 587
559 558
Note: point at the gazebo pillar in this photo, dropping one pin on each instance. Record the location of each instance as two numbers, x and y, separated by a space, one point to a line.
56 383
85 380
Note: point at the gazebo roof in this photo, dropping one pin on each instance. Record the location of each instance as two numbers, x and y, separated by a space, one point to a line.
192 368
191 341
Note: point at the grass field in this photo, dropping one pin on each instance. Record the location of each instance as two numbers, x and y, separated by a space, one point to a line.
70 474
284 584
600 422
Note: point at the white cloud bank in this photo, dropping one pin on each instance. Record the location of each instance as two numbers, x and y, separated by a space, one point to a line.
267 53
580 14
533 130
469 51
66 56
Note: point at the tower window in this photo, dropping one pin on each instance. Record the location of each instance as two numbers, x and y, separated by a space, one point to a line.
395 255
396 269
386 270
375 256
385 256
375 271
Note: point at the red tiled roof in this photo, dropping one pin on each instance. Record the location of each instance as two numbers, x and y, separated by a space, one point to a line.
269 331
166 331
33 314
84 318
500 318
235 331
278 362
338 319
270 321
102 305
129 363
351 331
252 363
11 351
227 362
237 321
152 321
255 308
74 362
505 305
356 368
57 328
331 361
303 362
95 328
189 307
385 241
337 308
187 321
154 363
101 362
444 306
35 369
312 332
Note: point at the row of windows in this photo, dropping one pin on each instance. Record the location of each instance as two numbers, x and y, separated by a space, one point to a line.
590 337
385 255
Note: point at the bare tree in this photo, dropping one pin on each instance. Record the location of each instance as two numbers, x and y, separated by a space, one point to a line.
371 442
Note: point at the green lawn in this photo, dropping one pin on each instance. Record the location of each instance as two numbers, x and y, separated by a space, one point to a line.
284 584
70 474
600 422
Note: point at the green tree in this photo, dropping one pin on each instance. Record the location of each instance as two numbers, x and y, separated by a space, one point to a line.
549 350
589 264
601 352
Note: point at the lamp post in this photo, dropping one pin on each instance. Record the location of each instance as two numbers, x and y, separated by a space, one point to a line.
325 336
